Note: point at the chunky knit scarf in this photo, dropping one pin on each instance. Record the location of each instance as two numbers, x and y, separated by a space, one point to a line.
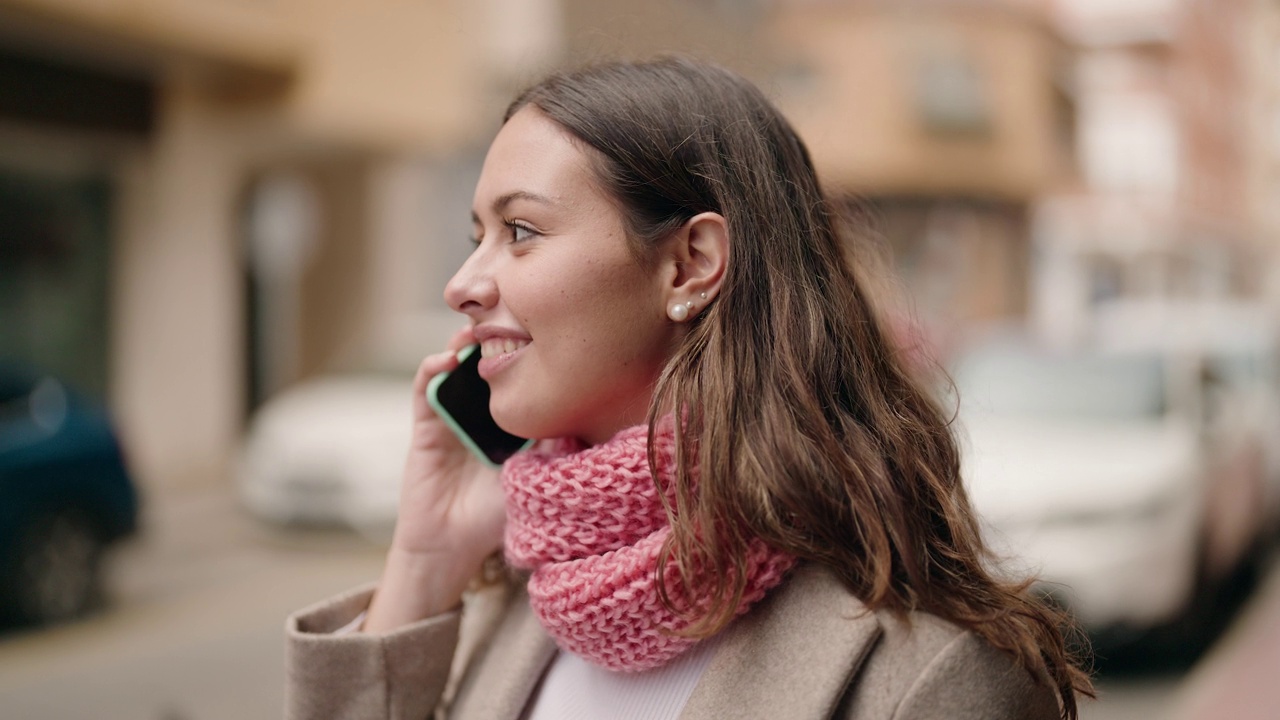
590 525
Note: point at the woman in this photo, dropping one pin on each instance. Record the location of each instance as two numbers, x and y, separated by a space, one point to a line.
752 509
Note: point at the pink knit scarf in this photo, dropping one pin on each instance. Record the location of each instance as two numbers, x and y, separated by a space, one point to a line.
590 525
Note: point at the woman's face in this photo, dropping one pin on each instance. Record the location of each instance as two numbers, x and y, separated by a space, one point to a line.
573 330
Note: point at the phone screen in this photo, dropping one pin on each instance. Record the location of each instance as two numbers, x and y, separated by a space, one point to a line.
461 399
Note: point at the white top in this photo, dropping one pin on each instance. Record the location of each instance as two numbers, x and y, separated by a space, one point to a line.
574 689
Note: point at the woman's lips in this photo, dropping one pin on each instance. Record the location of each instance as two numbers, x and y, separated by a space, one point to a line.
496 354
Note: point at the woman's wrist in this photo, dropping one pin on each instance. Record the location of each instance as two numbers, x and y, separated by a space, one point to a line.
418 585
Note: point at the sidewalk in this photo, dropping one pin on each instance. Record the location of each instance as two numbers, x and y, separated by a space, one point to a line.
1240 677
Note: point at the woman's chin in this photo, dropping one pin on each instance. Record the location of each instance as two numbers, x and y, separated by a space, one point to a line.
518 423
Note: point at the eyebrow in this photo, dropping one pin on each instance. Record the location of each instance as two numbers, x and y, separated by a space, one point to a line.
504 200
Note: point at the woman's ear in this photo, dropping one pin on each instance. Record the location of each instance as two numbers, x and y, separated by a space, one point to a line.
699 251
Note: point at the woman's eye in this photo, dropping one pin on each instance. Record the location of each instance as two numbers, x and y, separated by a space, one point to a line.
520 233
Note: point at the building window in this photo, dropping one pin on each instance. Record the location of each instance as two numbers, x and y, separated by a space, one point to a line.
54 264
950 96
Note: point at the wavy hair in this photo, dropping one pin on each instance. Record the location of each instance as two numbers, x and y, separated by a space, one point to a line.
800 423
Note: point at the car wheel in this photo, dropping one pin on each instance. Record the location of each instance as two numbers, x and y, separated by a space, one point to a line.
55 575
1176 645
1218 600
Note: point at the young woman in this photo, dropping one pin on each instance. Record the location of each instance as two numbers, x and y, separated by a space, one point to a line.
748 507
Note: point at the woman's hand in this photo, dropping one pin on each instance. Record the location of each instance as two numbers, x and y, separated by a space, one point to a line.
450 517
450 501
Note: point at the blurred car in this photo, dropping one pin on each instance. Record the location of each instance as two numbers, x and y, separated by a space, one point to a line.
65 495
329 451
1088 469
1233 345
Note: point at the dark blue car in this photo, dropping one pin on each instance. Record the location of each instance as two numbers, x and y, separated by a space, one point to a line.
65 494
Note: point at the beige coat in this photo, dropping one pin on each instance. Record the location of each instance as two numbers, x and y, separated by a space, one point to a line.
810 650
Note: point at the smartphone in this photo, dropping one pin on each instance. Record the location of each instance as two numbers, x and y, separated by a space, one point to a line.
461 399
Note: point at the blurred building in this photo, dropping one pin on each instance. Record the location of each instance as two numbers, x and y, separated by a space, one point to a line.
202 203
1262 40
947 120
194 196
1166 206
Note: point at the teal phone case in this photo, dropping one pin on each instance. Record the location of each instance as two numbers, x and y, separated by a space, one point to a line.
451 421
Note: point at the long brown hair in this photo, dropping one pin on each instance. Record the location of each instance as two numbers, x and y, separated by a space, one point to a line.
800 423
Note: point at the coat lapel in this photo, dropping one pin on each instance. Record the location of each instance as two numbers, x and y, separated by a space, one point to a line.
511 668
791 656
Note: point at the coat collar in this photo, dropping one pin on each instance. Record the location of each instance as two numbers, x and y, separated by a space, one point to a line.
791 656
807 639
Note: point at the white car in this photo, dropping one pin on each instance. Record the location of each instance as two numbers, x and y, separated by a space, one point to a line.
1088 470
329 451
1234 347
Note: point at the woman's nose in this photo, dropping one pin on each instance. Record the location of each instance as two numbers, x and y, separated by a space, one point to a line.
472 289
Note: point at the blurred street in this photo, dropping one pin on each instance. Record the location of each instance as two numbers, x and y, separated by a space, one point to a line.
194 629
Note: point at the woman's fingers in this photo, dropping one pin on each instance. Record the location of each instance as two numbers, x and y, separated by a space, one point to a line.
435 364
461 339
431 366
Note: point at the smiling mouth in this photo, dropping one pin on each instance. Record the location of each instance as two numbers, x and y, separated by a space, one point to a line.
500 346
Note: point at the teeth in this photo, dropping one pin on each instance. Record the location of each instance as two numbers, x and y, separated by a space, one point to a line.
500 346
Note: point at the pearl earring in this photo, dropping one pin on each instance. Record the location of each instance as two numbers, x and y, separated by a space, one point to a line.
702 295
679 312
